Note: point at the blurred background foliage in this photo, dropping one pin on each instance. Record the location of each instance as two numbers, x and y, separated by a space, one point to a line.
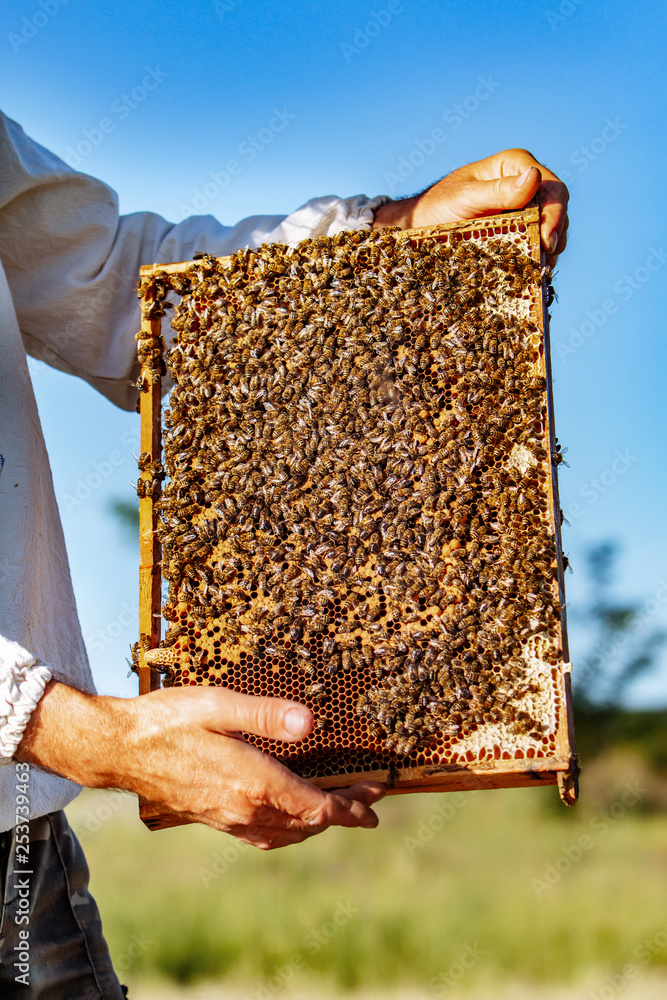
503 874
617 646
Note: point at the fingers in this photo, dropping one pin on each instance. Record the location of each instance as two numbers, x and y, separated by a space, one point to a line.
504 182
348 807
514 165
553 219
368 792
271 840
552 258
286 799
554 195
225 711
501 194
275 718
267 794
273 836
315 809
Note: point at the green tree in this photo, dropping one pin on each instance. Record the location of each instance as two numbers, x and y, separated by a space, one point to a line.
621 645
127 514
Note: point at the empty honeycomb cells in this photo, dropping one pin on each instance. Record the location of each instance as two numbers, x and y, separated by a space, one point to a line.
358 512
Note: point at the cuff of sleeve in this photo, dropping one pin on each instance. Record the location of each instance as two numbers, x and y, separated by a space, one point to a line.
327 216
22 684
361 212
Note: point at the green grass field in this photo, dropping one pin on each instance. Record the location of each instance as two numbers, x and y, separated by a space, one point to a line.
450 893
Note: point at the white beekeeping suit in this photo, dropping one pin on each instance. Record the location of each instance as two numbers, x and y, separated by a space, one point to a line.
69 266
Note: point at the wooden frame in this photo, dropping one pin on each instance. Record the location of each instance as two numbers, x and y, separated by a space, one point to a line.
560 767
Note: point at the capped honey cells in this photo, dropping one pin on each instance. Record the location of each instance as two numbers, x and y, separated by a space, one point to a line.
355 501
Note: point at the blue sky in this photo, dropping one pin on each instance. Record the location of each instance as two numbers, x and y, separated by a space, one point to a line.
316 98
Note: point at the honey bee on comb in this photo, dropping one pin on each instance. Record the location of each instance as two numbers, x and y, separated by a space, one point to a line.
358 510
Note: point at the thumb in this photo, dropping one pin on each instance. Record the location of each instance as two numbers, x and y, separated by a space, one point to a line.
229 711
498 195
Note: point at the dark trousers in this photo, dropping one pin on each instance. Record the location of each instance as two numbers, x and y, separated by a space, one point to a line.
51 941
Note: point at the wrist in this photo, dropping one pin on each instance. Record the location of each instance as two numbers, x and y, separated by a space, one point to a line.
396 213
79 736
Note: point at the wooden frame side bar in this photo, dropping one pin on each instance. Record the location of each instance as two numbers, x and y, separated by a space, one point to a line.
150 550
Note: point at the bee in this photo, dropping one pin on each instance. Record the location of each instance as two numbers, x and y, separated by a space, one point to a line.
351 601
328 645
296 631
316 691
143 488
278 652
557 455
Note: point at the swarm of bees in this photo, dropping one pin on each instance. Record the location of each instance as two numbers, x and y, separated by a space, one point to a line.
357 460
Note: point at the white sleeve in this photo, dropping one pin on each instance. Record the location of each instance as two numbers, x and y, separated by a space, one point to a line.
37 607
72 263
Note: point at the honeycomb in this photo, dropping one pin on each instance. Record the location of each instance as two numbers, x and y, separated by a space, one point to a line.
358 508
